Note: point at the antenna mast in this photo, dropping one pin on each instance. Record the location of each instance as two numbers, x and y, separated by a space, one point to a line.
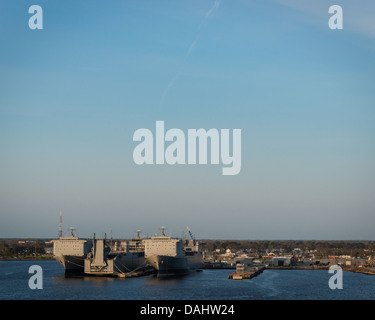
138 235
60 225
163 230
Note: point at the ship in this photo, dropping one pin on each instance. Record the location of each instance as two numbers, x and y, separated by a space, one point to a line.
103 261
71 252
172 256
95 257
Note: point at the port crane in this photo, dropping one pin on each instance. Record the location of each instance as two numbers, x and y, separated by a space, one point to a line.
190 234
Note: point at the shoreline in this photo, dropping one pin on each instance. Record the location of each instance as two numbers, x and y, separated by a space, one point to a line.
316 267
362 270
37 258
367 271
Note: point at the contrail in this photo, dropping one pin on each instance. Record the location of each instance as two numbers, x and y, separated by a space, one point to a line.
193 44
191 47
216 5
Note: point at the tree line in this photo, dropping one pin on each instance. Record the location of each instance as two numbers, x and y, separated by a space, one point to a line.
325 247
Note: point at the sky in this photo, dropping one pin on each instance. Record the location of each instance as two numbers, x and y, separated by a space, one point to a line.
73 94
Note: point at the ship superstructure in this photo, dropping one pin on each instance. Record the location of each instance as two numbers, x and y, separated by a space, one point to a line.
193 252
71 252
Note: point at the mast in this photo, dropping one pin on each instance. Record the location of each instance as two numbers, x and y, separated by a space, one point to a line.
138 237
60 225
72 229
162 231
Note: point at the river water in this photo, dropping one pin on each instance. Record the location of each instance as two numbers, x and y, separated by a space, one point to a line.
205 285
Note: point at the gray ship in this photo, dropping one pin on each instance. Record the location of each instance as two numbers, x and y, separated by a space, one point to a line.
71 252
171 256
95 257
102 261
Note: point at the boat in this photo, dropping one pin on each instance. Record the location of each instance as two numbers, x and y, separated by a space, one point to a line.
95 257
71 251
102 261
172 256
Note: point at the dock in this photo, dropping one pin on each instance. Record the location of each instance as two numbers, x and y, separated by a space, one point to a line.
247 273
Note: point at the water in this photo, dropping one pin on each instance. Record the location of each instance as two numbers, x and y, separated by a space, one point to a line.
205 285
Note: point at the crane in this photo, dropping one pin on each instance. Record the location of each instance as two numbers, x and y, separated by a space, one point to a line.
190 234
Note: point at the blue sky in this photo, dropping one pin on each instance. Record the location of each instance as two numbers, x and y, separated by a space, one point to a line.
72 94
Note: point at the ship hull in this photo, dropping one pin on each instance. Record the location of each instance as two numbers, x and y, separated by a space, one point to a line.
127 262
73 265
195 261
116 264
123 263
132 261
169 266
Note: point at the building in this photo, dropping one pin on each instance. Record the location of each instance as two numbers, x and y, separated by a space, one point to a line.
281 261
246 261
